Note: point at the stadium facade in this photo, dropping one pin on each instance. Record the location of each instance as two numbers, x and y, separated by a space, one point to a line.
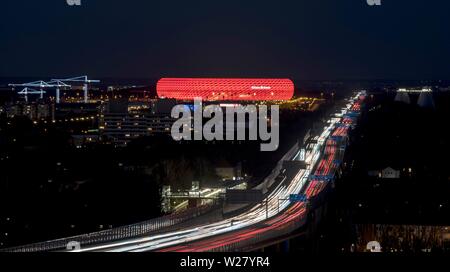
226 89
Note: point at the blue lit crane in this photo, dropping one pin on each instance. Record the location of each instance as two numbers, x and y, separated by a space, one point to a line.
83 79
36 84
41 85
26 91
58 85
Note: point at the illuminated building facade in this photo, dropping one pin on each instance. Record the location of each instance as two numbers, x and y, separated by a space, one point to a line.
120 121
218 89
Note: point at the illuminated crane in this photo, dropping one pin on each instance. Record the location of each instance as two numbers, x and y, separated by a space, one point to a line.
26 91
83 79
58 85
41 85
36 84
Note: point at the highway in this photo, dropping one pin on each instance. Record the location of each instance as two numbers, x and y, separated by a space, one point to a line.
275 212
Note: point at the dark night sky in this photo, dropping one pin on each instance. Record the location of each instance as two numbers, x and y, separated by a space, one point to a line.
301 39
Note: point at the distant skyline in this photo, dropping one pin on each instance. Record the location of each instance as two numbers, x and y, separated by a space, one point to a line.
299 39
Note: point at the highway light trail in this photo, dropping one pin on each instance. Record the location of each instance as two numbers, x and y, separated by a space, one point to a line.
271 214
293 212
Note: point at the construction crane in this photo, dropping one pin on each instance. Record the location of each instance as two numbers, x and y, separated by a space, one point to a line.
26 91
58 85
83 79
41 85
35 84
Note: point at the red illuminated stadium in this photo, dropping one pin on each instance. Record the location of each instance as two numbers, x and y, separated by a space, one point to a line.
213 89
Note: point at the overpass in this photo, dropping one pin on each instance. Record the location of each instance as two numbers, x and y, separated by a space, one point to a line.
277 216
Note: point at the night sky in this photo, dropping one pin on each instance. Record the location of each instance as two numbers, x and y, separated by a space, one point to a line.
300 39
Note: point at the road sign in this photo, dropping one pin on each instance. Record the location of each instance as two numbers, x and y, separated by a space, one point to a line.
322 178
298 198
